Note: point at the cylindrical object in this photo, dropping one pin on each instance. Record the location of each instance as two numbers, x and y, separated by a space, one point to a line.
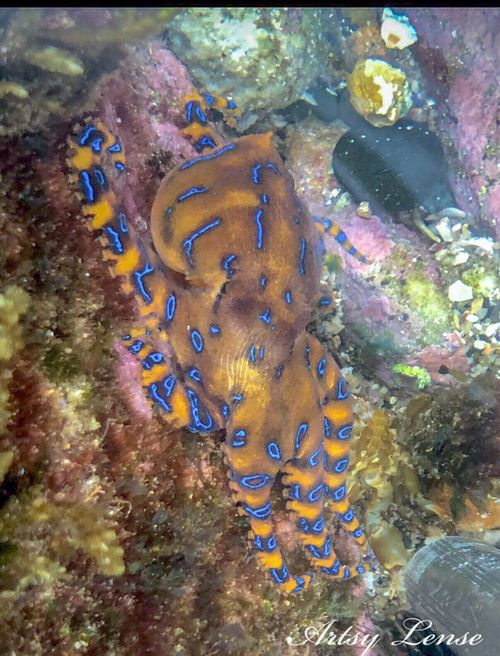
455 584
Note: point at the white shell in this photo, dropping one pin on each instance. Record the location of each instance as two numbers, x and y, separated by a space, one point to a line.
396 30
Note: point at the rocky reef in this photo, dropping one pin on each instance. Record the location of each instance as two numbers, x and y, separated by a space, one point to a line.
117 534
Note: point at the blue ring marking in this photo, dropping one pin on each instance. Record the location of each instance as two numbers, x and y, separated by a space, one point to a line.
138 275
341 237
295 492
264 198
263 281
255 173
114 241
231 104
189 111
191 192
363 259
187 244
152 359
325 300
96 145
345 432
153 392
288 297
214 329
255 482
266 316
170 307
169 212
314 459
120 166
225 411
341 465
321 367
200 114
136 346
327 549
115 148
327 224
99 174
122 220
197 341
226 264
360 569
342 391
204 158
260 513
347 572
334 569
260 230
315 494
259 545
303 249
353 250
169 384
251 354
319 525
272 543
326 427
273 168
262 350
126 337
347 517
278 372
338 494
300 434
307 350
273 451
199 423
237 397
83 138
239 438
86 186
300 584
209 99
357 533
304 525
194 374
204 142
279 575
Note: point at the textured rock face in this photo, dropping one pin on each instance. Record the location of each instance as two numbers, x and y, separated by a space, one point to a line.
269 56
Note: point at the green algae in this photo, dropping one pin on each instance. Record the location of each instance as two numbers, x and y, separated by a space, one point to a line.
422 375
431 305
482 277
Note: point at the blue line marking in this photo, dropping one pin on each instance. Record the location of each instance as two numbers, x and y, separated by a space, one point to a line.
273 451
85 135
273 168
307 350
345 432
266 316
189 111
254 482
278 372
238 397
262 350
152 359
200 114
197 341
191 192
239 438
314 459
226 265
264 198
333 570
169 384
120 166
315 494
188 243
122 219
342 391
136 346
251 354
353 250
255 173
300 434
321 367
87 188
295 492
170 307
325 300
153 392
260 232
97 144
327 430
303 248
204 142
199 423
288 297
319 525
115 242
209 99
341 237
341 466
231 104
99 174
204 158
138 275
263 281
194 374
214 329
280 575
225 411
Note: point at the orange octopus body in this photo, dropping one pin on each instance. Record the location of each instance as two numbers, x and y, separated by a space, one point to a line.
225 295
